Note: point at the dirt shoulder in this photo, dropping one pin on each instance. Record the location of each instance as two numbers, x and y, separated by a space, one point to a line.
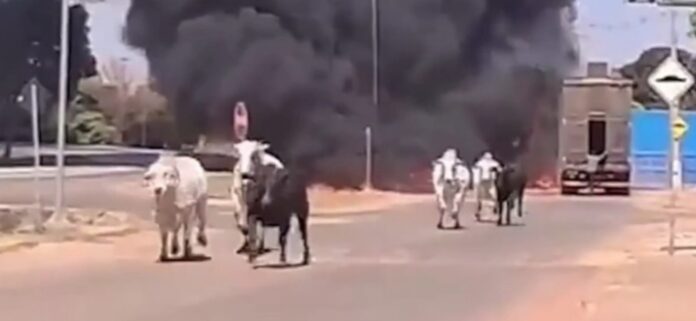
17 230
633 278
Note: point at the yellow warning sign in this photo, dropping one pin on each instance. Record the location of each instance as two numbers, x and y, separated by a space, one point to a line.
679 128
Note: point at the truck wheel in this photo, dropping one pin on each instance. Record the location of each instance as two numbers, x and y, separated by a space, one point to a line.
569 191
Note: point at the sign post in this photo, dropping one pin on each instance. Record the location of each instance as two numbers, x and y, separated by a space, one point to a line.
32 90
38 220
241 121
671 80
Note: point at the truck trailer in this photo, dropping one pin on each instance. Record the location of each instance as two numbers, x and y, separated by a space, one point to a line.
594 142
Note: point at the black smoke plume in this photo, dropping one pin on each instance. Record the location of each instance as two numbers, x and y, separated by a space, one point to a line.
473 75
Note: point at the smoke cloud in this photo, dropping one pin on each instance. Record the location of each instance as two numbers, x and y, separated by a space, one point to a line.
474 75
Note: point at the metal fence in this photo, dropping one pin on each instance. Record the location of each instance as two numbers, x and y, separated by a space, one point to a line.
650 137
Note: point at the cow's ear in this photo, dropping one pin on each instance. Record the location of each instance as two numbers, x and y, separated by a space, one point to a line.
263 146
175 177
147 178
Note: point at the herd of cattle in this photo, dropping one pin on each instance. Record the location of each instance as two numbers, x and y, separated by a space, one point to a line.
264 193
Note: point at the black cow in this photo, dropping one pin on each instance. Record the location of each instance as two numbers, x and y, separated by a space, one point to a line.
273 199
510 183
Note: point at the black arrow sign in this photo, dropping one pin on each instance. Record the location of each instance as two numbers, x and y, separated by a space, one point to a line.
671 78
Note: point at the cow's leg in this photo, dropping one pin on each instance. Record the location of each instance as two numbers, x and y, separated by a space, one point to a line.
284 228
302 222
494 196
175 239
520 197
244 231
441 204
508 209
479 206
163 244
499 205
244 248
441 219
458 199
251 238
186 217
479 203
202 217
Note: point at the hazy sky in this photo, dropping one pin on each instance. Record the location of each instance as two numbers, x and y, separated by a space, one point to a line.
617 32
610 30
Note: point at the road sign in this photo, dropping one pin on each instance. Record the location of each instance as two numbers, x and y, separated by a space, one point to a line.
42 95
241 121
679 128
671 80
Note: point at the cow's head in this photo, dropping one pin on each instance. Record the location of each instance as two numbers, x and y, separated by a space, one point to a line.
449 164
248 154
161 176
274 180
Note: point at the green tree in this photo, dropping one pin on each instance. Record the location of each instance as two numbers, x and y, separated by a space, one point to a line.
30 35
88 124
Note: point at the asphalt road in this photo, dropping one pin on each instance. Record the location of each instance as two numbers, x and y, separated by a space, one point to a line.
391 265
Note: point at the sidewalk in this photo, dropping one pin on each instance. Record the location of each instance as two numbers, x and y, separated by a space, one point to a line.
634 278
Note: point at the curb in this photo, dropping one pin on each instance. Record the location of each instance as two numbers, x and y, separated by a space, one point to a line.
24 175
12 246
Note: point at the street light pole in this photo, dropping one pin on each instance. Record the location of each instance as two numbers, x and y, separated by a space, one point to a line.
375 94
375 54
59 215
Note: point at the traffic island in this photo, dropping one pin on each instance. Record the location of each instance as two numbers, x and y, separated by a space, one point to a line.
18 231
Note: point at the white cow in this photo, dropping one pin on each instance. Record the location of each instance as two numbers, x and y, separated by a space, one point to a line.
180 188
451 179
485 170
245 151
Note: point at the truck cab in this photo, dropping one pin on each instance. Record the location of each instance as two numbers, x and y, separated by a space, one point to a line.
595 134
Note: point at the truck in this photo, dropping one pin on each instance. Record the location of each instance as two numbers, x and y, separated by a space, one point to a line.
594 125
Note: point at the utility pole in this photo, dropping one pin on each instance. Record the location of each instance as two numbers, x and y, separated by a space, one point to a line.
59 215
375 54
375 94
